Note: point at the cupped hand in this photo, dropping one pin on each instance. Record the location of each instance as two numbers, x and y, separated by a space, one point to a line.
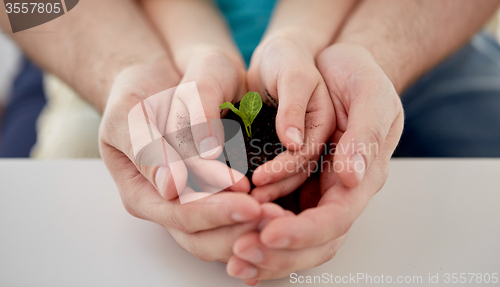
369 125
285 74
131 138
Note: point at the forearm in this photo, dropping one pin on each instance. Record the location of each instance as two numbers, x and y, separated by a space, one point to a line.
407 38
191 27
313 24
89 46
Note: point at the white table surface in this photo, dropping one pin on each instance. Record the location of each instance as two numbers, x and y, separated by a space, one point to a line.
62 224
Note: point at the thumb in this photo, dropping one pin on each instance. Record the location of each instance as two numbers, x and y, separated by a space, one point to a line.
371 115
295 89
204 117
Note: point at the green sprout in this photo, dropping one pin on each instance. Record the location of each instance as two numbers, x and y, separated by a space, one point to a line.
250 107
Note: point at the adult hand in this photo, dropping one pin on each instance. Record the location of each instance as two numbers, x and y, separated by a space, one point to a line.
368 111
284 72
206 227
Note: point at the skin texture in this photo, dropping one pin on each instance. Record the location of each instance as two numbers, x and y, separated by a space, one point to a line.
117 62
283 68
379 52
355 65
89 52
207 227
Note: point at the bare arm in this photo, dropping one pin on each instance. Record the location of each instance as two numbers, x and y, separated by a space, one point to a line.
312 23
383 43
191 27
90 45
407 38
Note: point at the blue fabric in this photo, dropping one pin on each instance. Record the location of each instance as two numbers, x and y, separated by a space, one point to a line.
454 111
18 134
248 20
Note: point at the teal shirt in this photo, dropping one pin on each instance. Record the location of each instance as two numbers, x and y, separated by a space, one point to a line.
248 20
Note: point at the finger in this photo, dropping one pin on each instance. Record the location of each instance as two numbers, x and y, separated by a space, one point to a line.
251 257
219 209
202 102
147 149
295 87
215 173
371 105
142 200
337 209
320 124
368 126
269 212
332 218
250 282
289 77
273 191
213 244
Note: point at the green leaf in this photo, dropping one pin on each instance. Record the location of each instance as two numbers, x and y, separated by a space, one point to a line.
228 105
250 105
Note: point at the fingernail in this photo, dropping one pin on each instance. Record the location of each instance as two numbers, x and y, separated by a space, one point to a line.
248 273
282 243
359 166
161 178
295 135
208 146
238 217
252 255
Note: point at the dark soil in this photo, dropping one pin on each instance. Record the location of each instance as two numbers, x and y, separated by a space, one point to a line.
264 146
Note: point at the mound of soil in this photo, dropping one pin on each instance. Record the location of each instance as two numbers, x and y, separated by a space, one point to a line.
263 147
264 144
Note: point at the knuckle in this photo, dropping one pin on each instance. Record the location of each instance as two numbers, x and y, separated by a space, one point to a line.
147 171
301 77
177 221
375 134
295 110
198 116
131 210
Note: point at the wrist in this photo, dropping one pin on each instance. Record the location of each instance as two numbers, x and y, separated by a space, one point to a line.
203 51
310 42
394 61
104 74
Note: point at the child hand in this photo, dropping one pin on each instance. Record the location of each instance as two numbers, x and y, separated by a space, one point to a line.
284 72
